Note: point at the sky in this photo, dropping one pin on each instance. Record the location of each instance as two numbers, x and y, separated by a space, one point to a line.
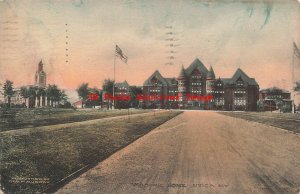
76 39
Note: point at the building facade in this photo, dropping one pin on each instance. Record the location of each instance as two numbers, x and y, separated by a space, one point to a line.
122 95
196 87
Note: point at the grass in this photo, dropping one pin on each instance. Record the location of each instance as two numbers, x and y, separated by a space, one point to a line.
35 160
22 118
285 121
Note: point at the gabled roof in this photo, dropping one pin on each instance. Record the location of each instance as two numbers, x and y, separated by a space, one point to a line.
196 64
170 81
158 76
226 81
122 84
241 74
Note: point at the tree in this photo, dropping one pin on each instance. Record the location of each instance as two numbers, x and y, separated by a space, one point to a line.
96 99
40 92
31 96
297 87
53 94
107 87
83 92
25 93
62 97
8 91
134 92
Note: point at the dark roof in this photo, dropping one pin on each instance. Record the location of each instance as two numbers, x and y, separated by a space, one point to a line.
196 64
211 73
122 84
241 74
158 76
226 81
170 81
274 89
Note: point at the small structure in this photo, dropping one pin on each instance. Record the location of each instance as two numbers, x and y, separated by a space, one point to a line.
275 98
78 104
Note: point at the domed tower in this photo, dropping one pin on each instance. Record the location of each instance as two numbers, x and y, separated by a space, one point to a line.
210 79
182 87
40 76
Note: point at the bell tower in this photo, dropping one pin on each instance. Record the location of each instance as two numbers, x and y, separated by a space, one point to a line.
40 76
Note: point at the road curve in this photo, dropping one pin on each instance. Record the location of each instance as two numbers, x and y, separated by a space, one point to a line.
200 152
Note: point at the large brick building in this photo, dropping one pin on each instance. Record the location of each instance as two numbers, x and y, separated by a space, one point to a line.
240 92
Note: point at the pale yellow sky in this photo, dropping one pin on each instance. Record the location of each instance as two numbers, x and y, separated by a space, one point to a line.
256 36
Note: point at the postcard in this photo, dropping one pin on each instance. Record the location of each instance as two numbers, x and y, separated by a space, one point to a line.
150 96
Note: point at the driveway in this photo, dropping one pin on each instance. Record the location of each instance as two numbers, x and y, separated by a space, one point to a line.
200 152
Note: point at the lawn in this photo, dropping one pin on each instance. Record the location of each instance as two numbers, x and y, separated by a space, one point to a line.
22 118
35 159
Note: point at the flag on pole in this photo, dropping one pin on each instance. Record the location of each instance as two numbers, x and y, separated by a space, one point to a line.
120 54
296 50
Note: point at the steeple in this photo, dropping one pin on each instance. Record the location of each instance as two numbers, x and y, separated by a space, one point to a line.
211 73
182 73
40 66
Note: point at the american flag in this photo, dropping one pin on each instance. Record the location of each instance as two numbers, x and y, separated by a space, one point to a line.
296 50
120 54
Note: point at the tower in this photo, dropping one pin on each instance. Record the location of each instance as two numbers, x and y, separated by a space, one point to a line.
210 81
40 76
182 87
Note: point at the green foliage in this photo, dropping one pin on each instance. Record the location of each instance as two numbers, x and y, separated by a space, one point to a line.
297 87
93 103
25 92
108 85
83 91
8 90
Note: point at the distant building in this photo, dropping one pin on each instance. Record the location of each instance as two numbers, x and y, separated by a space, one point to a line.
122 95
37 100
240 92
78 104
275 98
274 93
159 91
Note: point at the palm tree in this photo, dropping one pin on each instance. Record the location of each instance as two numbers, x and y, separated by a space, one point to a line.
8 91
31 96
25 93
52 93
48 94
40 92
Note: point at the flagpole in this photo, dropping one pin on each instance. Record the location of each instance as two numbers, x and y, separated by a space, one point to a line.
293 80
114 80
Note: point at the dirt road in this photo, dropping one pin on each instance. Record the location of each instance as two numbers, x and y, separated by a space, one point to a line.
200 152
